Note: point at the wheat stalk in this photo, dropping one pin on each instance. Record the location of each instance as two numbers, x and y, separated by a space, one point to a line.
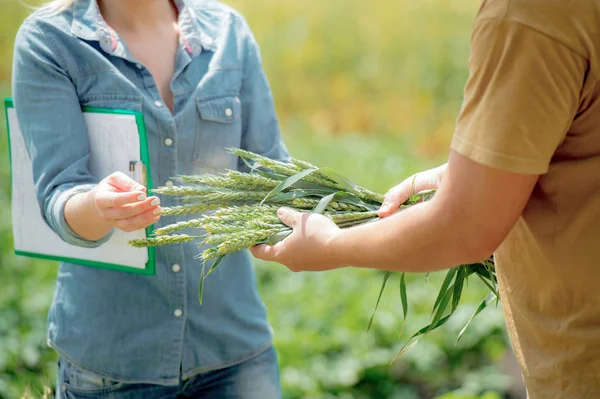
188 209
233 180
309 203
181 191
162 240
228 243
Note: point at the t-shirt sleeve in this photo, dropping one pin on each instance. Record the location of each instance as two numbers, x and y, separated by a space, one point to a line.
520 99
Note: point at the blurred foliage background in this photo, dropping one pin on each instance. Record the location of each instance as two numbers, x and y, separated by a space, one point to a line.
371 89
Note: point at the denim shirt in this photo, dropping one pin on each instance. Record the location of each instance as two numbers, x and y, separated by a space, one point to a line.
129 327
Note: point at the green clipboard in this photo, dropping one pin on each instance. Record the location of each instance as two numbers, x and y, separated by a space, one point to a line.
123 133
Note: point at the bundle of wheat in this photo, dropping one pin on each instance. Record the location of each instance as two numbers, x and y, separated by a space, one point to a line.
244 213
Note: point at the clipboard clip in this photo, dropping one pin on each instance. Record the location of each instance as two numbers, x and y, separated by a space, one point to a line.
137 170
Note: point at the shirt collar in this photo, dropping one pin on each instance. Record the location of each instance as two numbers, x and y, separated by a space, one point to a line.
195 33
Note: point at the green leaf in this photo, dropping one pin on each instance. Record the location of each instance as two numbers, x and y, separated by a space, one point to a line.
348 198
405 348
277 237
201 288
287 183
490 297
422 196
270 174
248 164
443 304
312 186
472 269
491 268
215 264
326 196
444 287
357 221
300 184
299 193
458 287
404 300
412 186
386 276
340 179
325 201
422 332
484 277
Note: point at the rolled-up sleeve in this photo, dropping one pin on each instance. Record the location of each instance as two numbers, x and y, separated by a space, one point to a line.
520 99
53 127
260 126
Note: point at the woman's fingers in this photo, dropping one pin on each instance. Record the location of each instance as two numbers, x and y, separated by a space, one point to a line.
124 203
123 182
138 222
106 199
117 190
130 210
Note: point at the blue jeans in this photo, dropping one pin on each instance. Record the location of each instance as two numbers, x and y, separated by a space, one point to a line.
256 378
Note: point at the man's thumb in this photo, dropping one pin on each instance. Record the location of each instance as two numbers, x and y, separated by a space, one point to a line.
288 216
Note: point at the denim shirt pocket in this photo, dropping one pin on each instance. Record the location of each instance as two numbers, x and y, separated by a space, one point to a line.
219 127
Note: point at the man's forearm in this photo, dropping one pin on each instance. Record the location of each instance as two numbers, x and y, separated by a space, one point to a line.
473 211
422 238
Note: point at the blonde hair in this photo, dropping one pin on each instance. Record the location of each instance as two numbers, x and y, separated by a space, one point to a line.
60 5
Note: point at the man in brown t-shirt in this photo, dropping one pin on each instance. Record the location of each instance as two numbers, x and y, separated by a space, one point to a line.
522 181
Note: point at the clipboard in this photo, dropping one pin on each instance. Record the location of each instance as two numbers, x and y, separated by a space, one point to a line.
118 142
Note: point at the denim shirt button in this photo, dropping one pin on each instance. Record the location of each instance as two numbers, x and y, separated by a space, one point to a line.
138 66
158 103
168 142
177 312
176 268
228 112
169 183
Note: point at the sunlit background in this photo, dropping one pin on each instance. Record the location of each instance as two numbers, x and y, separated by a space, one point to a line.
371 89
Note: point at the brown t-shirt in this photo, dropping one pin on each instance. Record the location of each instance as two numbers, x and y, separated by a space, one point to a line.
532 106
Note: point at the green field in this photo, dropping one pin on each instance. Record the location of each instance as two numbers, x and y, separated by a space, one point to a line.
371 89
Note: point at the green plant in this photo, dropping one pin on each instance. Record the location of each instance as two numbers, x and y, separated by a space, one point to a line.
246 204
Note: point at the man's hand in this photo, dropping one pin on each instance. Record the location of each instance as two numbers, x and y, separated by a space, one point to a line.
397 195
308 248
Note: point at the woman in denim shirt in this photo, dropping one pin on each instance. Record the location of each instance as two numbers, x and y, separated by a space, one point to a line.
194 69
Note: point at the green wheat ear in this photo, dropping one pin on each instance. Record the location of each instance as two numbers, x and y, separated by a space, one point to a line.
162 240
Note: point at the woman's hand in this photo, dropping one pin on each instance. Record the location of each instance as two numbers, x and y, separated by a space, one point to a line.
311 246
396 196
117 201
123 203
